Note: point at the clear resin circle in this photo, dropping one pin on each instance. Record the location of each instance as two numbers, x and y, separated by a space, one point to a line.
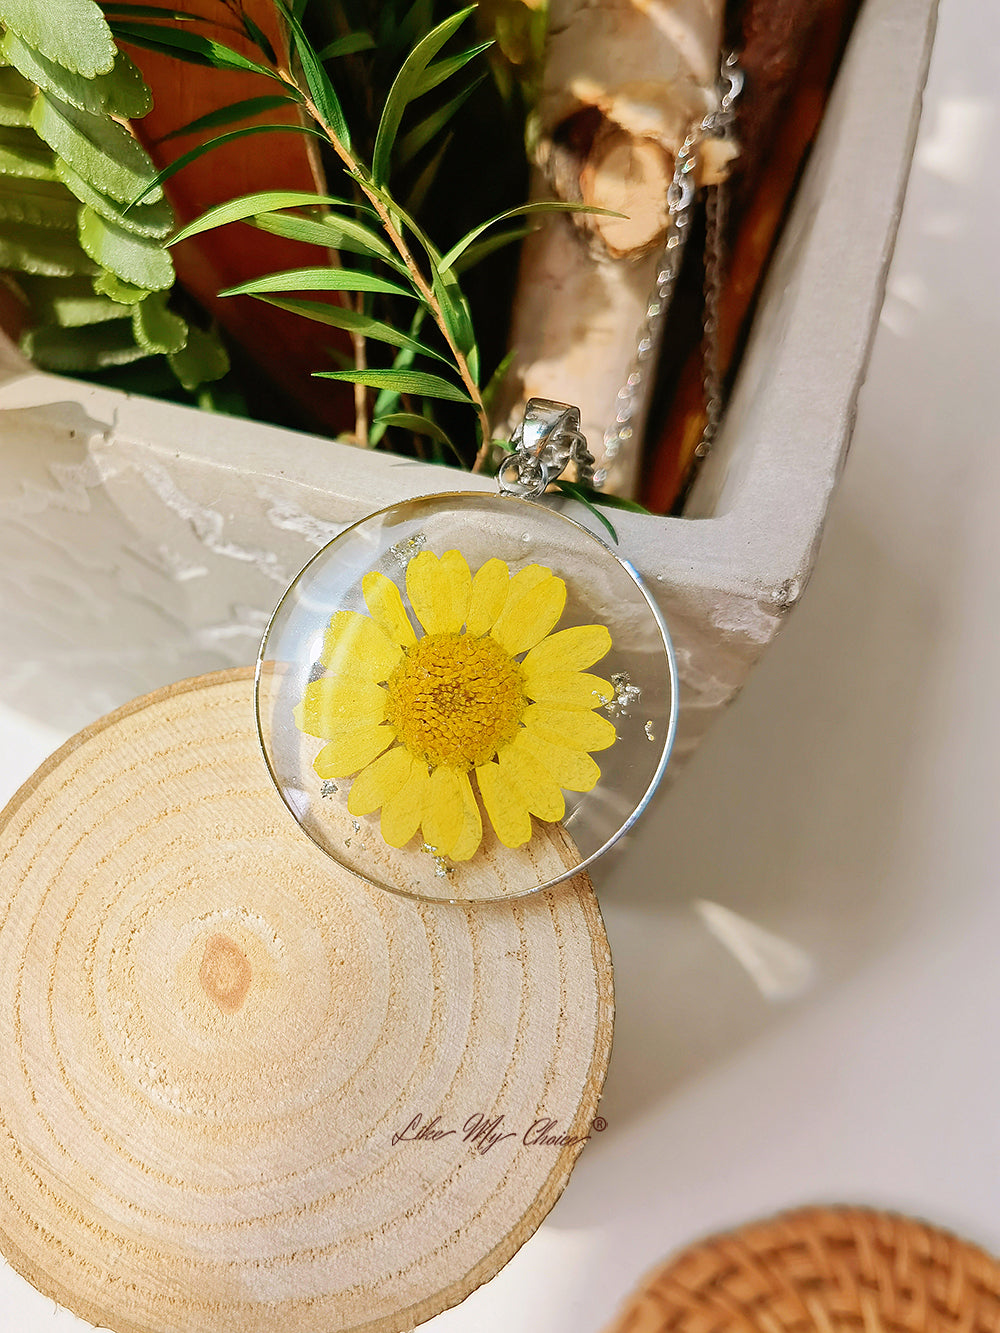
466 697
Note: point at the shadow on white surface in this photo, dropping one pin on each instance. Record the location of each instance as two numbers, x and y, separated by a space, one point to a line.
789 815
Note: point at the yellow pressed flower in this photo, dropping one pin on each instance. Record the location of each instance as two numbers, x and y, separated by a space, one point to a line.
487 692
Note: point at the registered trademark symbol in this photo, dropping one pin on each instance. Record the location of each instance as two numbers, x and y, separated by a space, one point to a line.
600 1124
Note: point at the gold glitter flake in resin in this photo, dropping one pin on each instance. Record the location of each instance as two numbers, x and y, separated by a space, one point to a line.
488 692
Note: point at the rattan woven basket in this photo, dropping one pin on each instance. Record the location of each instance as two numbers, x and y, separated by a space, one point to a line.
822 1270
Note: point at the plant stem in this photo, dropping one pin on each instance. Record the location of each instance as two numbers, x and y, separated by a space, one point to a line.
416 276
482 454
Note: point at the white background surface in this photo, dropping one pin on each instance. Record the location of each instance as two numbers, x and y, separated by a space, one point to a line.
848 801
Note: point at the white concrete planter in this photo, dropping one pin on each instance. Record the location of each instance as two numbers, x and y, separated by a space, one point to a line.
142 542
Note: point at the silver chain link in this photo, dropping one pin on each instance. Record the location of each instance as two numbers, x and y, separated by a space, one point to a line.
680 201
711 369
716 206
680 198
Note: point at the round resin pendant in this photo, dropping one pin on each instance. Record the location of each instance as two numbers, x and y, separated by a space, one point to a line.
466 696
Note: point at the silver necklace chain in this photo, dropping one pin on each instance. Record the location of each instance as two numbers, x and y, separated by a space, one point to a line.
715 211
680 202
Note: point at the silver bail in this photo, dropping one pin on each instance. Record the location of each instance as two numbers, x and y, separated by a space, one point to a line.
545 441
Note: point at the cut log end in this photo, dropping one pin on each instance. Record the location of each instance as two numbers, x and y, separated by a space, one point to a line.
627 176
227 1047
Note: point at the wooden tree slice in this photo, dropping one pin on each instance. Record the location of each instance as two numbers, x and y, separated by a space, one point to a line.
217 1033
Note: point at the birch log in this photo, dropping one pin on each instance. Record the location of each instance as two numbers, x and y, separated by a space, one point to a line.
625 80
222 1047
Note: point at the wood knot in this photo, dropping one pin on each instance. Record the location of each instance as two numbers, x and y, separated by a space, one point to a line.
225 973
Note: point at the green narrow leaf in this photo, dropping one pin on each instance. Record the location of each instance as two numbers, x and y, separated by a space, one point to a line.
317 280
16 96
191 47
153 220
252 205
225 115
135 259
39 250
455 310
404 88
443 69
543 206
403 218
420 425
400 381
609 501
24 156
317 80
339 317
258 36
497 379
202 359
348 45
96 147
37 203
427 410
193 154
401 25
69 302
155 327
121 92
73 33
423 183
334 233
576 493
70 351
483 249
125 293
429 128
387 400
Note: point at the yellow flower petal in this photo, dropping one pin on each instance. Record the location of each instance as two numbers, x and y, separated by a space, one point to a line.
350 752
507 811
439 590
527 578
380 781
489 592
578 728
520 769
331 706
570 650
402 813
467 843
567 689
529 615
385 602
444 817
354 645
571 769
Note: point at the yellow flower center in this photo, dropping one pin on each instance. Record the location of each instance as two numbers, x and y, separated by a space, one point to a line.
455 698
